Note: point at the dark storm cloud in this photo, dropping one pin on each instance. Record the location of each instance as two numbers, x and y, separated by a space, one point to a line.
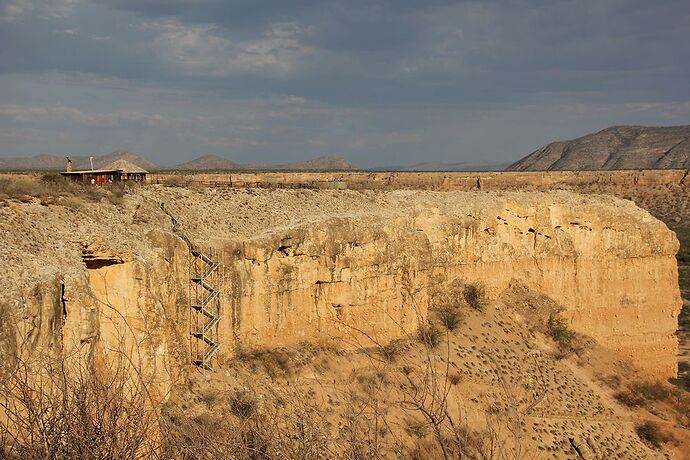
373 80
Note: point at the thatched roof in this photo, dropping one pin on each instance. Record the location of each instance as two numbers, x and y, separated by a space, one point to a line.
125 166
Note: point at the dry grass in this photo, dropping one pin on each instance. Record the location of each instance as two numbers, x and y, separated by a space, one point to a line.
282 361
54 189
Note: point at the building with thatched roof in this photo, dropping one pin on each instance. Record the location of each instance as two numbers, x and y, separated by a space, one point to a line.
129 170
117 171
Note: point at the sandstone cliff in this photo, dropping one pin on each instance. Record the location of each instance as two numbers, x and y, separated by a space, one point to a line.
322 265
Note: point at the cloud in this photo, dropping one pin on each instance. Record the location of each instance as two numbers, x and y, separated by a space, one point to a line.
378 81
203 50
60 113
66 31
11 10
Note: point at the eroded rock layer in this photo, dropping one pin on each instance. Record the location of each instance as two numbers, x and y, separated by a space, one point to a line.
317 265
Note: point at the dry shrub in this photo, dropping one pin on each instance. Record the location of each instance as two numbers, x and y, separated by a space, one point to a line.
243 404
176 181
371 379
454 378
474 296
50 411
297 430
54 189
611 381
450 316
392 350
629 398
430 334
282 361
656 391
650 432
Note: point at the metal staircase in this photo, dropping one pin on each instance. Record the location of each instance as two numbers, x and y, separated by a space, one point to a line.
206 284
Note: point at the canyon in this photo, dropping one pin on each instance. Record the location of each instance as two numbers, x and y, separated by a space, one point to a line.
341 261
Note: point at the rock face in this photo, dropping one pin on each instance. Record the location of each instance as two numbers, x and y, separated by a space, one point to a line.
618 147
305 265
374 275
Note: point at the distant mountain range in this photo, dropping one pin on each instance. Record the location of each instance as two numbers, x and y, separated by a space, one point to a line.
207 163
204 163
214 162
618 147
437 166
58 163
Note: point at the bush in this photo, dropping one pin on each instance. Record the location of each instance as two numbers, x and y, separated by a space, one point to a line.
650 433
391 350
430 334
450 316
560 332
280 362
454 378
629 399
653 391
612 381
243 404
474 296
54 189
55 179
275 361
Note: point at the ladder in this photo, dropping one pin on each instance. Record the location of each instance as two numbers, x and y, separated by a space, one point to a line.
206 285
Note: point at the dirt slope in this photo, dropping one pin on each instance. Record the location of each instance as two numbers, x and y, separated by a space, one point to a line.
496 386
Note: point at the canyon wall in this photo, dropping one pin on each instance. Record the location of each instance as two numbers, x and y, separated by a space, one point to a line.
609 264
341 266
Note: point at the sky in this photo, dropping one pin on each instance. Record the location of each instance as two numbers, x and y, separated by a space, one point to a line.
378 82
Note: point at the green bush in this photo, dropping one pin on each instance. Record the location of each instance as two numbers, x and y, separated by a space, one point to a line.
474 296
560 332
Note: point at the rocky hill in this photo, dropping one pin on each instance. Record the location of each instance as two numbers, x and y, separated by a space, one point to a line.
618 147
481 165
58 162
324 163
208 163
126 155
214 162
